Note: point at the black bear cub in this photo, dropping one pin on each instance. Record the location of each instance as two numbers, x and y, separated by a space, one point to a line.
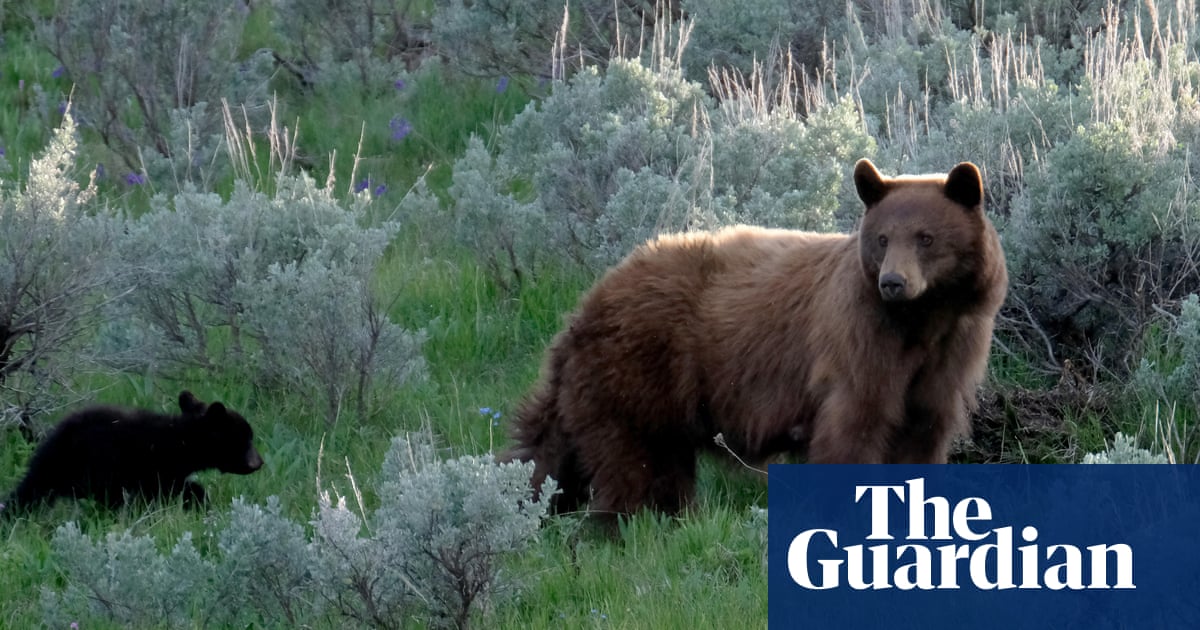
109 453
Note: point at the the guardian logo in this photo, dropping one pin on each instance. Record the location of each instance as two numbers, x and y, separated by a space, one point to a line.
947 547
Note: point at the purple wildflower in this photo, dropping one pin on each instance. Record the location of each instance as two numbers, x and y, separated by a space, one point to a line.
400 127
379 190
62 107
100 171
3 152
362 185
74 625
502 85
21 84
135 179
58 72
399 84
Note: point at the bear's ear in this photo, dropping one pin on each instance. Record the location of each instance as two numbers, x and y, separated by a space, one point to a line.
189 404
870 184
964 185
215 409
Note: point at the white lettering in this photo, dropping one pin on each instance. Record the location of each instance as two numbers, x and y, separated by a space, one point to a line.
879 508
1067 574
916 512
989 566
1100 566
963 517
797 560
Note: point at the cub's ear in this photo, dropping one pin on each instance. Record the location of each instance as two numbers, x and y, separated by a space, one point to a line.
189 404
964 185
870 184
215 409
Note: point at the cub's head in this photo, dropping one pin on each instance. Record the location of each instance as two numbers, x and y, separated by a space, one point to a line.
223 435
920 233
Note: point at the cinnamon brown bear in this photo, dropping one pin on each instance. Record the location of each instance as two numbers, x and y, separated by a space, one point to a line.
860 348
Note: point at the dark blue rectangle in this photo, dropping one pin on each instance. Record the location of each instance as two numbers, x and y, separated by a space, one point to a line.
1147 518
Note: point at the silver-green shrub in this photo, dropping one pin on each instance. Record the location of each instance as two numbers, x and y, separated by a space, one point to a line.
1170 371
515 37
365 43
518 37
1124 450
735 35
453 521
124 579
277 285
57 270
264 566
433 552
148 78
584 174
612 158
1101 236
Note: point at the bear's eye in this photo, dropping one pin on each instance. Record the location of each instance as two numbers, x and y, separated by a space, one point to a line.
882 240
924 240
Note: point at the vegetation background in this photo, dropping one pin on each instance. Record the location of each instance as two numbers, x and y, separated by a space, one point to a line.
354 221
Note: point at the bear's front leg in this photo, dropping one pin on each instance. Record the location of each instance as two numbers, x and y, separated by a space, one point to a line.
929 428
193 495
850 429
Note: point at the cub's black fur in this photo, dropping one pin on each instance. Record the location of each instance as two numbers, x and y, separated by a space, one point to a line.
109 453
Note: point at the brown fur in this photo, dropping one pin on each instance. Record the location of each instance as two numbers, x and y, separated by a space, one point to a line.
826 345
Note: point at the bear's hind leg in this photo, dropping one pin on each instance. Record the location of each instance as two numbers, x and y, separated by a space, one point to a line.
573 484
633 474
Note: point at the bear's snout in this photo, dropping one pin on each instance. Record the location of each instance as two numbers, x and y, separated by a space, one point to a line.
249 462
892 287
254 461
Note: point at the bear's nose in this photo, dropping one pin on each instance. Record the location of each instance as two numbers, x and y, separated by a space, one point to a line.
891 286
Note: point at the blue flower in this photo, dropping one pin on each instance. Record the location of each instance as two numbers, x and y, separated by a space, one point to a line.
3 152
362 185
62 107
379 190
400 127
58 72
491 414
100 171
135 179
399 84
502 85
